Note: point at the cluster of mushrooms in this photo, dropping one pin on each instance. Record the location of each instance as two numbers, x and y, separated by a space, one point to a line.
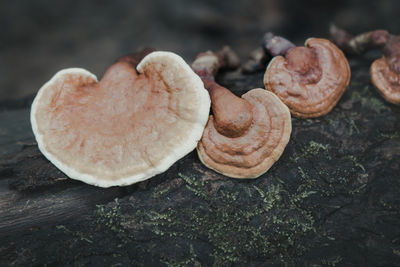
150 109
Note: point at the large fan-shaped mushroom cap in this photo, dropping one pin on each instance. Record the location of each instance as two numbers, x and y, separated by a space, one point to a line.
128 127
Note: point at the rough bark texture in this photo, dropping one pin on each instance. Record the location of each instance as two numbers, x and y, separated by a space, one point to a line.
331 199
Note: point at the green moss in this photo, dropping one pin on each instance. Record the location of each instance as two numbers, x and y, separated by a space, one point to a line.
355 162
194 185
313 148
271 223
109 218
376 104
263 219
334 261
344 122
329 181
392 136
79 236
159 193
365 96
352 125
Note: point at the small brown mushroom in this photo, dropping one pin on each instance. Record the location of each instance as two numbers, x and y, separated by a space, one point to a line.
385 72
139 119
244 136
386 80
310 80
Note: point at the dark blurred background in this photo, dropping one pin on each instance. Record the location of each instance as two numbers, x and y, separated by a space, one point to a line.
40 37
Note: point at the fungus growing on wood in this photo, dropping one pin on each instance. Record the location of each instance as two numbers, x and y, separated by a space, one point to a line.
385 71
309 79
245 136
131 125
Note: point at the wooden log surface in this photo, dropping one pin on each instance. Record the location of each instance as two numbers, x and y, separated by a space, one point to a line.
23 169
332 198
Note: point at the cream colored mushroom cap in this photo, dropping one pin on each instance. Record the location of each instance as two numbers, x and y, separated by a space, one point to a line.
126 128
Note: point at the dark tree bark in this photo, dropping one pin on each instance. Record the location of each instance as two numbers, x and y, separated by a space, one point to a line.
332 198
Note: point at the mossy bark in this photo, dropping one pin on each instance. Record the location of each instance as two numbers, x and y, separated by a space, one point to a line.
331 199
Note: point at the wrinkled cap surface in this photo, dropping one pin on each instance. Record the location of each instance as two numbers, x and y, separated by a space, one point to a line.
253 153
125 128
386 80
316 98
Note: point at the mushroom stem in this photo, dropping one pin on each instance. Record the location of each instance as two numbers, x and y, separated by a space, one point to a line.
207 64
271 45
132 59
390 44
136 57
360 43
233 115
300 59
276 45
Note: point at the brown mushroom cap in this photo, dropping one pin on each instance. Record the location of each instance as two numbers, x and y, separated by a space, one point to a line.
256 150
386 80
310 86
131 125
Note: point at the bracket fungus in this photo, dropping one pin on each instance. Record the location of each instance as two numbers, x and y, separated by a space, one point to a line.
145 113
385 71
309 79
244 136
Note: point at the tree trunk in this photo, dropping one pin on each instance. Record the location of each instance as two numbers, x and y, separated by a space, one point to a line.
332 198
